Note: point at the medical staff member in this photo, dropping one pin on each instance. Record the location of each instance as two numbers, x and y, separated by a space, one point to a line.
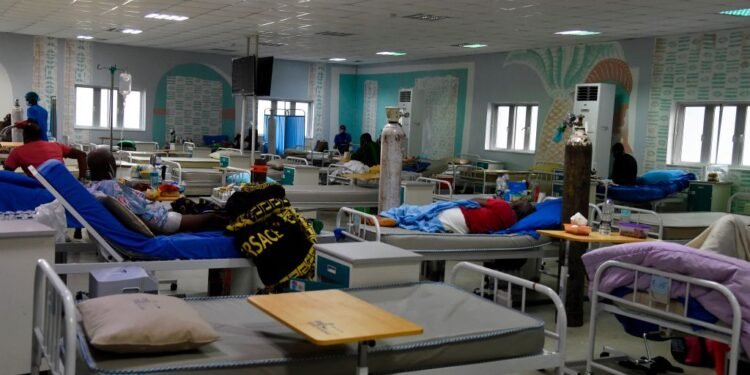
35 151
343 140
36 112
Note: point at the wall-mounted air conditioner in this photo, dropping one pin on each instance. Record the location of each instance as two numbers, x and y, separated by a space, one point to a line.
596 102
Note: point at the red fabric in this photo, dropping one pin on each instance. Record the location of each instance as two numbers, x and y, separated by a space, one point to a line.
35 153
719 351
494 216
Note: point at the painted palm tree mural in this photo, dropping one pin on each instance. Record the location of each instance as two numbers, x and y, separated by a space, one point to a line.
560 69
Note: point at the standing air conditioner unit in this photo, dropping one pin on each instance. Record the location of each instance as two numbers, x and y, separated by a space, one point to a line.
405 101
596 102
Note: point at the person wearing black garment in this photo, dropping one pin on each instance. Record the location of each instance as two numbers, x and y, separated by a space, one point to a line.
624 167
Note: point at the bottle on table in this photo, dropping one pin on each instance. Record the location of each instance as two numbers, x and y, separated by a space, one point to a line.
608 210
501 185
259 171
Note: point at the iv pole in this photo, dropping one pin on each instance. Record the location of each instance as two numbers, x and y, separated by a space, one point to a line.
112 69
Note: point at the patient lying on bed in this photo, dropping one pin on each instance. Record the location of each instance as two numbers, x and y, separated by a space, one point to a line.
468 216
157 217
491 216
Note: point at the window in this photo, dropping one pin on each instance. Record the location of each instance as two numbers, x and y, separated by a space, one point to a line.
92 110
711 134
512 127
281 107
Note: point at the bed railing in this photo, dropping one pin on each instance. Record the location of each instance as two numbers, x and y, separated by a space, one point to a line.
436 190
269 157
630 307
501 287
188 147
354 224
295 160
54 323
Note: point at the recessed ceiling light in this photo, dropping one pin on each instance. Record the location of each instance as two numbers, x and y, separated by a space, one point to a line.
390 53
578 32
131 31
85 37
736 12
166 17
471 45
337 59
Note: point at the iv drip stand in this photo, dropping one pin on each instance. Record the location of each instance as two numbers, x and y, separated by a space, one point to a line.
112 69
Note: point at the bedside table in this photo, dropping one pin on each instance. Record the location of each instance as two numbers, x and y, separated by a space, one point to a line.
708 196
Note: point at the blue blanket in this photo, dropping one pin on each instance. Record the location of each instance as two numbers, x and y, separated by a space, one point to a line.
424 218
647 192
204 245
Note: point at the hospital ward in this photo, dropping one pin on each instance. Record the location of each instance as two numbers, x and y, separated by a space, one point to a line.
285 187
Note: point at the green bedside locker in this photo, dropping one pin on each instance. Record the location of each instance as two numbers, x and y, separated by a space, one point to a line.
708 196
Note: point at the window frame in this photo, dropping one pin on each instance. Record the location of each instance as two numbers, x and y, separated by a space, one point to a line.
677 132
97 107
292 107
491 129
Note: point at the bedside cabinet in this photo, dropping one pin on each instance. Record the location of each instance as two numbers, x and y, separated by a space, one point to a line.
708 196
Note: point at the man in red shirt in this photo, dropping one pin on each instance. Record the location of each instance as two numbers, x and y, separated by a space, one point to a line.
491 216
35 151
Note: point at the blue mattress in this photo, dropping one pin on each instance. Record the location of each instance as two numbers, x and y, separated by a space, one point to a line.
204 245
648 192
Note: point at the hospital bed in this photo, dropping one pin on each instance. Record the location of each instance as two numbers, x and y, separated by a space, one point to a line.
330 196
440 246
116 243
198 175
462 332
443 191
670 226
665 299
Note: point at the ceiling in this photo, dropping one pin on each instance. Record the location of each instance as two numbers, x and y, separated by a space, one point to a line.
222 26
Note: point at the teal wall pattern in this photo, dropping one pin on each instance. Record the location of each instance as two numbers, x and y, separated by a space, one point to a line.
78 70
45 70
355 99
316 87
193 107
221 118
695 67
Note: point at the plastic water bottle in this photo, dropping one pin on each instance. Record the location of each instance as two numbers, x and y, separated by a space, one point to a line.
154 178
608 209
500 186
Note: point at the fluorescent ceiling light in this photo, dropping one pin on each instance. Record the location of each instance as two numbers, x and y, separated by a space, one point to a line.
736 12
167 17
390 53
85 37
131 31
578 32
472 45
337 59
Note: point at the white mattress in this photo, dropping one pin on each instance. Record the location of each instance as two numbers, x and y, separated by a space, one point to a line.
331 196
451 246
684 225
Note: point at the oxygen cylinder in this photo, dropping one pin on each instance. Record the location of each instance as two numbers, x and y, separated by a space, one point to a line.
391 158
16 115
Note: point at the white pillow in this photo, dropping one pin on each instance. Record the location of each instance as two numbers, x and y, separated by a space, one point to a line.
144 323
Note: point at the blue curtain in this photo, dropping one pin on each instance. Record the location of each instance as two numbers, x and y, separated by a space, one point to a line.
290 132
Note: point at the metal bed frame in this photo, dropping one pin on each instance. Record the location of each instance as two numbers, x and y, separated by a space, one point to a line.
55 327
357 225
112 256
629 307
